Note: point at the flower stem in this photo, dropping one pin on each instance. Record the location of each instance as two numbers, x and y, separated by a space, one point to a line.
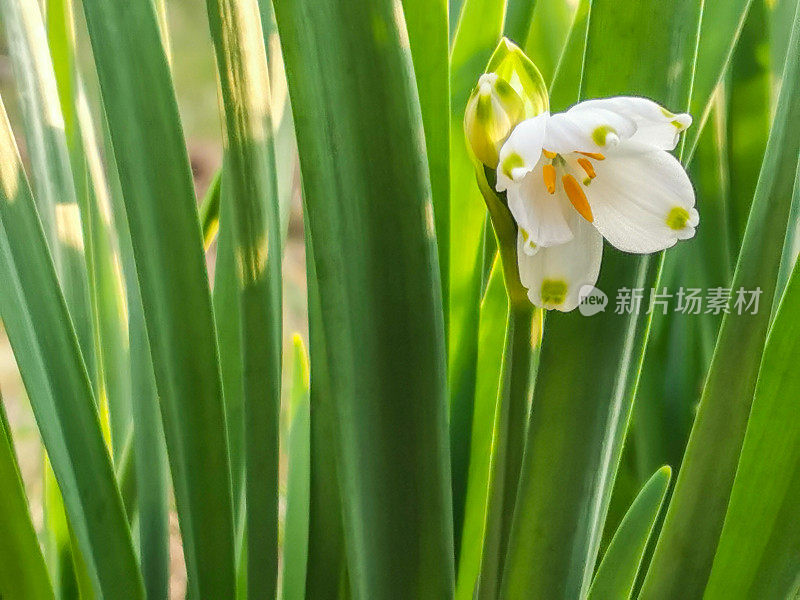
508 443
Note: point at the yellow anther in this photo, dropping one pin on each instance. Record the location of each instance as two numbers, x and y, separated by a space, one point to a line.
577 197
587 166
549 176
594 155
548 154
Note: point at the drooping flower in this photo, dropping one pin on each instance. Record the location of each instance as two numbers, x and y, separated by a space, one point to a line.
602 169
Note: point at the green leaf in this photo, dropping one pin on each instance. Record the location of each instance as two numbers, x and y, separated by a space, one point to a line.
373 239
479 30
749 115
252 191
295 544
209 210
680 346
426 21
685 549
23 573
136 88
566 85
494 310
50 168
617 572
517 22
719 31
757 554
55 378
583 397
326 570
551 24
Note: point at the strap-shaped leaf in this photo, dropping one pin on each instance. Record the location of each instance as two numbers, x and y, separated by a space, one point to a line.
159 201
251 189
685 550
617 572
371 222
46 349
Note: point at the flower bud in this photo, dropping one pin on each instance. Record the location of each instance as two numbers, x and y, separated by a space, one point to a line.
493 110
511 64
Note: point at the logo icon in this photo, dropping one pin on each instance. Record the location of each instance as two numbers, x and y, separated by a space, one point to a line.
591 300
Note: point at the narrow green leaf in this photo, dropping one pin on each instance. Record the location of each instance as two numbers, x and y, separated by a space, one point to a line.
566 83
685 549
295 539
479 30
23 573
583 397
519 14
209 211
50 168
326 572
758 551
551 24
351 81
749 114
426 21
46 349
136 88
494 309
617 572
681 345
719 32
251 183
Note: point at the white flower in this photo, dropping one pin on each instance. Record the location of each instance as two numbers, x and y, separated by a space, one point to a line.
599 170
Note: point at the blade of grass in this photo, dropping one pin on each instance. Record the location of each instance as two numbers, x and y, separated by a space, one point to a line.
757 554
23 573
295 544
583 400
251 183
479 30
685 550
136 88
617 572
55 378
352 88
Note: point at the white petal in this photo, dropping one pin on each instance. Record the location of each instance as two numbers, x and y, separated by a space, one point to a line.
554 276
522 151
542 216
587 129
656 125
642 200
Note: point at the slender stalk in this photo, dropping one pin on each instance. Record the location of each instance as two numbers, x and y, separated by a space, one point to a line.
511 413
507 444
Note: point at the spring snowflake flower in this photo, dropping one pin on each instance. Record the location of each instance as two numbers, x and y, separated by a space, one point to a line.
602 169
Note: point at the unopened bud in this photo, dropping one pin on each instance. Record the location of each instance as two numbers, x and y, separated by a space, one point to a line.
493 110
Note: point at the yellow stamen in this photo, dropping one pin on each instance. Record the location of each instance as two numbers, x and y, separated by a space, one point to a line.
594 155
549 176
548 154
587 166
577 197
